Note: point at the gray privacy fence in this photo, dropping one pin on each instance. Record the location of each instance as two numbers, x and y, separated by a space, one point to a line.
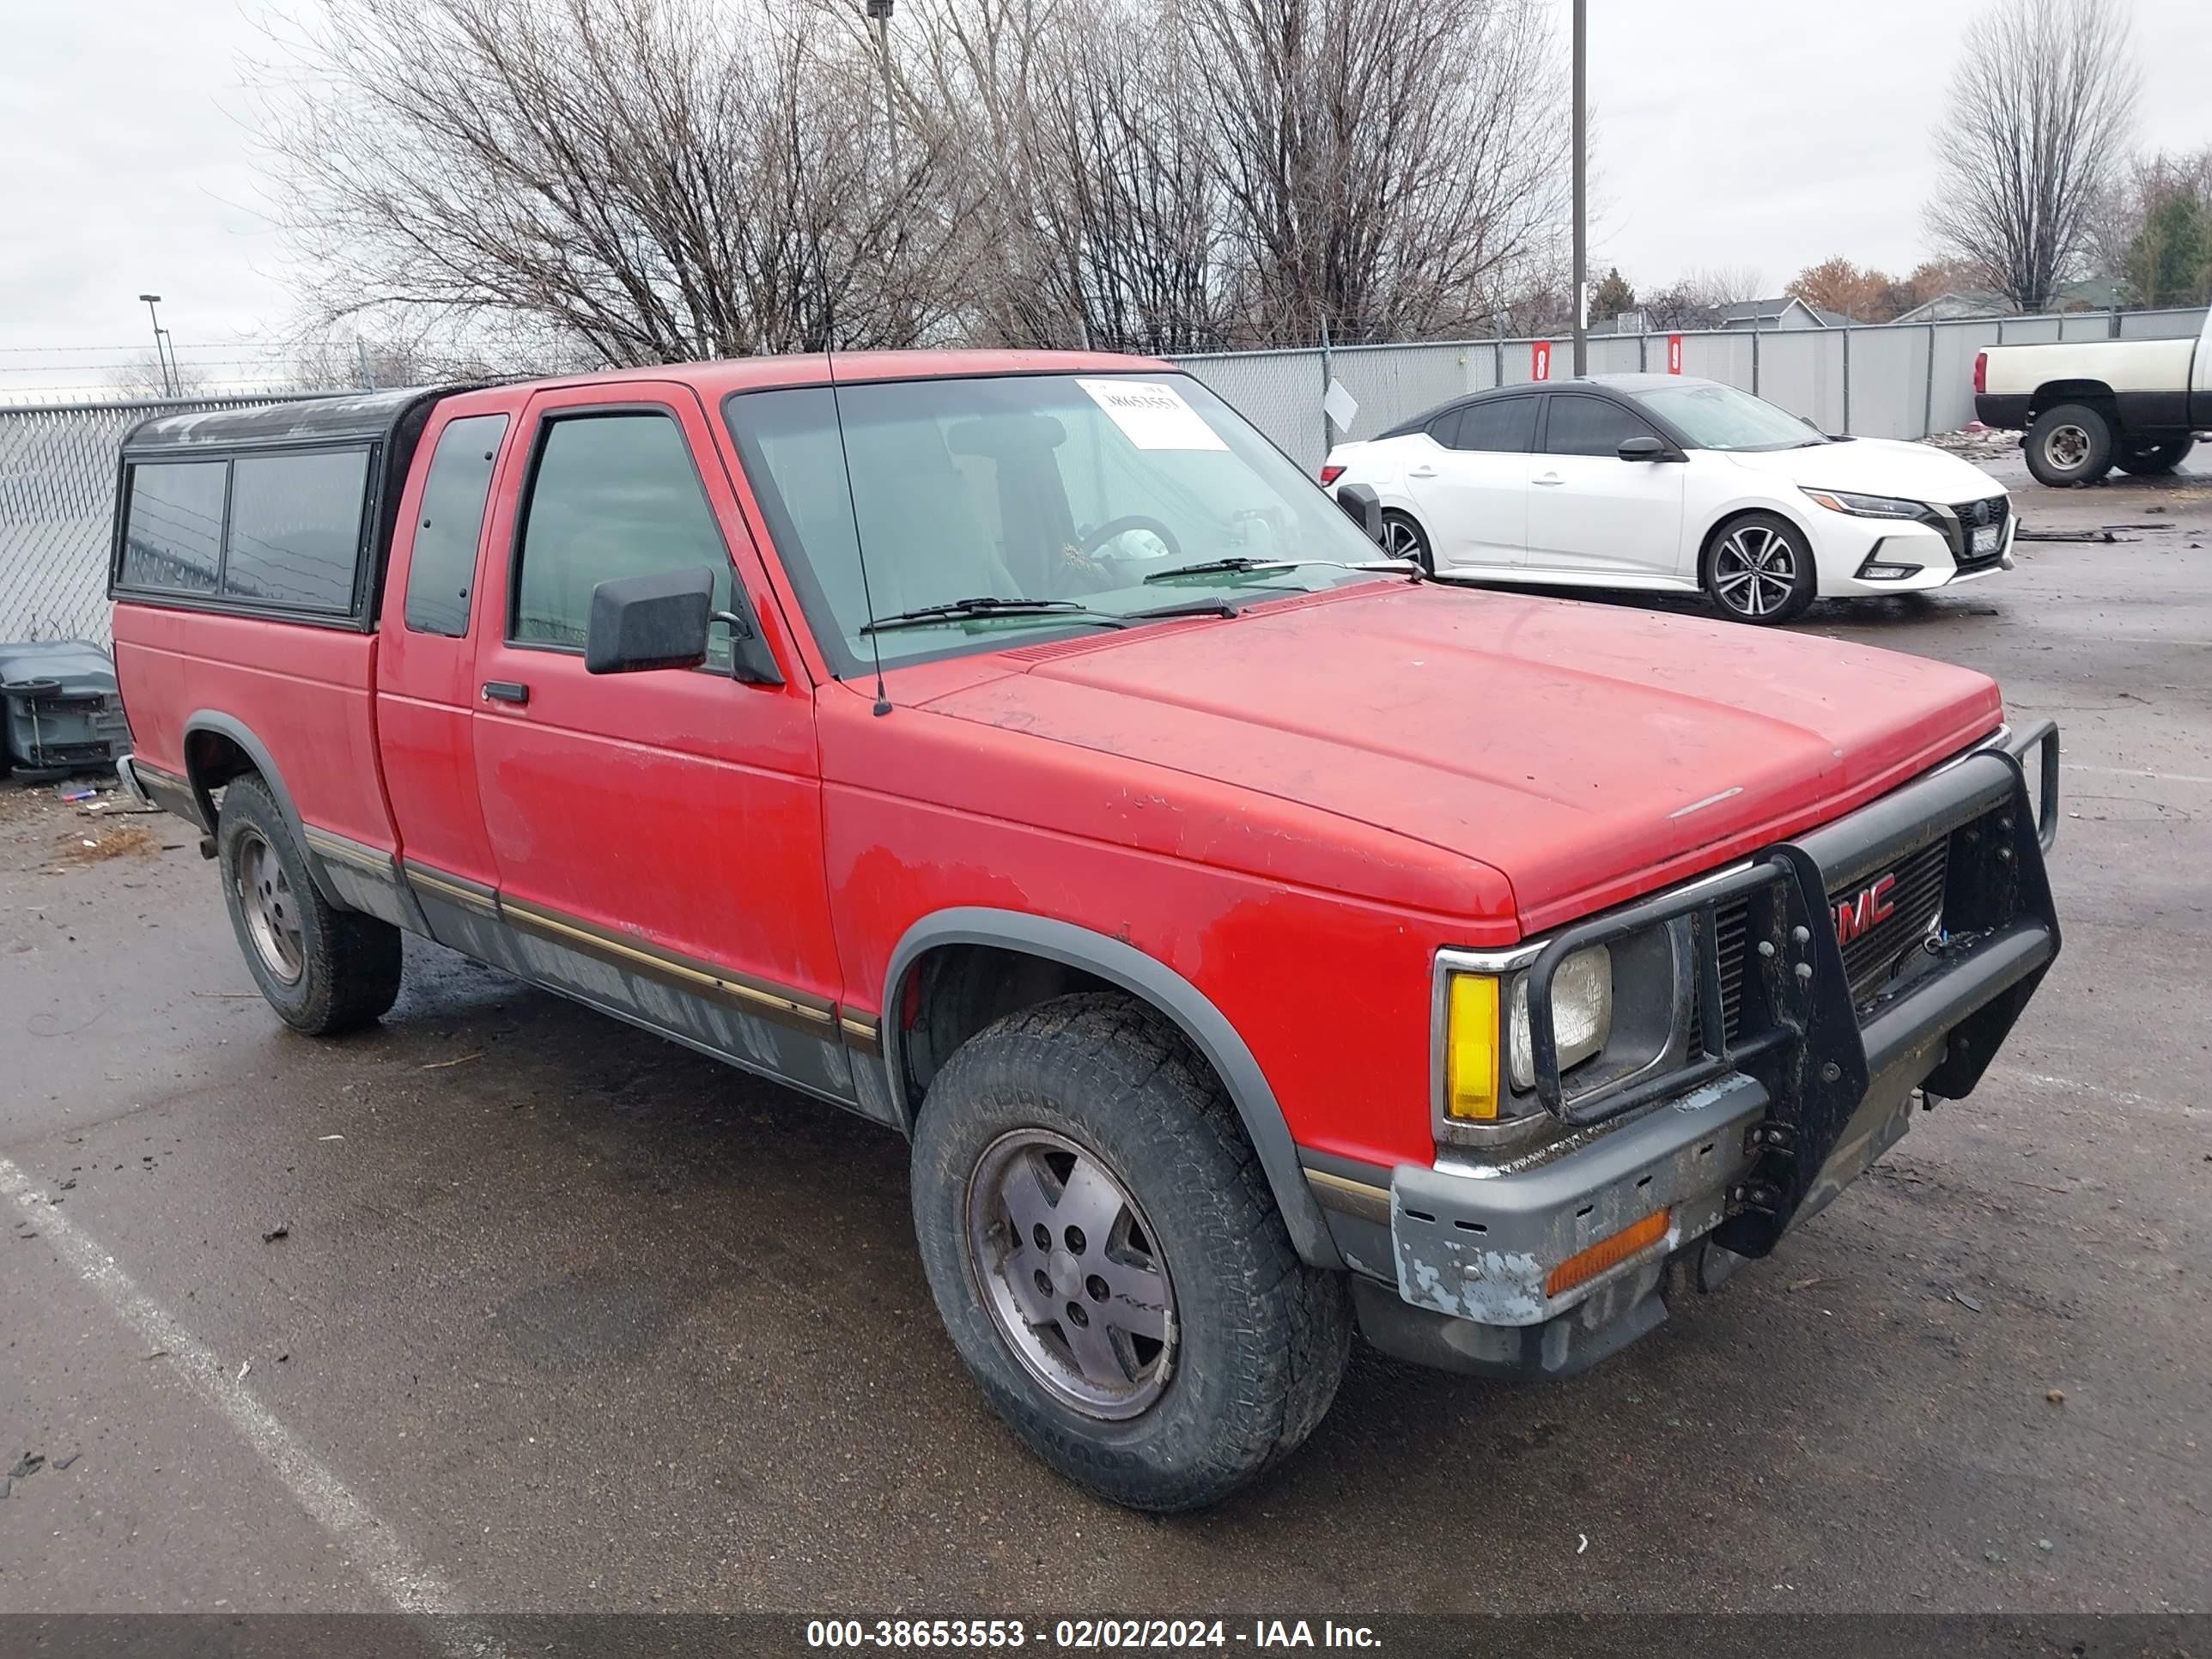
1884 380
1894 380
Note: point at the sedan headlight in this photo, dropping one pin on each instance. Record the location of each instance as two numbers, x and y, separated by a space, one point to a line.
1865 507
1481 1049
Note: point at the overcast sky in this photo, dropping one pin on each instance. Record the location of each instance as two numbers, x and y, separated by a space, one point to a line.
1762 133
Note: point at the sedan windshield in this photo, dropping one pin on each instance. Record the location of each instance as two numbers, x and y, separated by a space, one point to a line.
1721 417
973 498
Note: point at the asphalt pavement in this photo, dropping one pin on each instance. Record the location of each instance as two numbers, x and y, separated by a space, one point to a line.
506 1307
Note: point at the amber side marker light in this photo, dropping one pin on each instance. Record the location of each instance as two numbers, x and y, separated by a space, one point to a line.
1586 1264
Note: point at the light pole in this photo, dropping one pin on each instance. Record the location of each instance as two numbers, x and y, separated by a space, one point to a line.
168 379
1582 197
880 11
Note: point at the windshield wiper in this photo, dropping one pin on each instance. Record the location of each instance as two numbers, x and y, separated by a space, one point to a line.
1241 563
1194 608
989 605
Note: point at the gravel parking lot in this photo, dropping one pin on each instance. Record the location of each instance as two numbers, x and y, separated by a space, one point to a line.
505 1306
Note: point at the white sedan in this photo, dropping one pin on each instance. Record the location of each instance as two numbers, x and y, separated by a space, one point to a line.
1669 483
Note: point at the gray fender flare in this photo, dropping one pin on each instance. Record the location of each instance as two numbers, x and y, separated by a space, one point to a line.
211 720
1153 980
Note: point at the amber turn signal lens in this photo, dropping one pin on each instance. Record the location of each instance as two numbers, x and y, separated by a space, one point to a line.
1586 1264
1471 1049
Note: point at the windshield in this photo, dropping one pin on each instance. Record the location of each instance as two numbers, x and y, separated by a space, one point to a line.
1721 417
1058 487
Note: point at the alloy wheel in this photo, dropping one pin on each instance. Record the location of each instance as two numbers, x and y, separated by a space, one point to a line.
1072 1272
1401 541
1755 571
272 918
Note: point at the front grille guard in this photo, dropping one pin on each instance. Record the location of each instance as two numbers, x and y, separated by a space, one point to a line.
1799 1034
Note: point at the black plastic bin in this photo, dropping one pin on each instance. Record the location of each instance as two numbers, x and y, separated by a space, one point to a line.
63 714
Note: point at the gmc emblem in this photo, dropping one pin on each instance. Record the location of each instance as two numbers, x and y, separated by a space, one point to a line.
1862 912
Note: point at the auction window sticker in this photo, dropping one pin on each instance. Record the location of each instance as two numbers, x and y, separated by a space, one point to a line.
1153 414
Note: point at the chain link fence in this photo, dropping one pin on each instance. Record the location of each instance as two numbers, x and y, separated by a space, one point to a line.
57 512
1894 380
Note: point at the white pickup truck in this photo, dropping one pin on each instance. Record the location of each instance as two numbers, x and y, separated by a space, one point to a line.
2092 405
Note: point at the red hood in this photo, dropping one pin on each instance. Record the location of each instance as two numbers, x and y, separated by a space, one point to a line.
1587 752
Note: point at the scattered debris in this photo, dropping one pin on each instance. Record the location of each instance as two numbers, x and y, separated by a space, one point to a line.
123 839
6 1486
1965 1301
74 793
1993 1557
29 1464
2056 1396
1805 1284
2100 536
244 1366
440 1064
241 996
61 1463
158 1353
329 1137
280 1231
1583 1546
2044 1545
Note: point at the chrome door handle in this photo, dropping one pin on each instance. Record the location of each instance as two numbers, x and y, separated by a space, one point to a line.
1550 479
1422 472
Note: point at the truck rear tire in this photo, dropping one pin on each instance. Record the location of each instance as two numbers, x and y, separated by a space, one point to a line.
2146 460
2069 443
1109 1261
323 969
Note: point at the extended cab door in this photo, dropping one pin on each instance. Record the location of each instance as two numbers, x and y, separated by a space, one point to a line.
658 834
1469 481
1588 510
426 670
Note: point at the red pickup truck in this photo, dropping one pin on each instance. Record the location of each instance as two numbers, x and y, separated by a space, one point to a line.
1255 940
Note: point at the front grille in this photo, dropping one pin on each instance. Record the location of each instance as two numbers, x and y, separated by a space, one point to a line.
1975 515
1916 901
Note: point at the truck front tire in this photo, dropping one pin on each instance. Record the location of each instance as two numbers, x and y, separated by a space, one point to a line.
2069 443
323 969
2146 460
1109 1261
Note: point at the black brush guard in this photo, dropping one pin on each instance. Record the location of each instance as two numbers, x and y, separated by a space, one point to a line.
1798 1033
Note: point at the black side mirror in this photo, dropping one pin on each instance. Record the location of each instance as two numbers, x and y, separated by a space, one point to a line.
660 621
1643 447
1364 507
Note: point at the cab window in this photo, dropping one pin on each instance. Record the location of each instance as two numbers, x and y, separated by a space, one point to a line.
611 494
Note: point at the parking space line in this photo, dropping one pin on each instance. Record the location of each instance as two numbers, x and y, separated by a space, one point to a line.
2137 772
370 1541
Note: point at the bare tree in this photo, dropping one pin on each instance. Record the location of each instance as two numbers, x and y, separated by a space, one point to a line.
2037 117
1700 297
641 180
1386 164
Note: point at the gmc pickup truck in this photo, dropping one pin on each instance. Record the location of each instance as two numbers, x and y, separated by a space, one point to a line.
1254 939
2091 405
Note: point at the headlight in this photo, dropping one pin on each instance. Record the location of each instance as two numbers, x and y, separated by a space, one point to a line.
1581 1013
1865 507
1474 1033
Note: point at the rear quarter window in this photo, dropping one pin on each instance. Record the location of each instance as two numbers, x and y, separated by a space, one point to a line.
173 529
296 524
